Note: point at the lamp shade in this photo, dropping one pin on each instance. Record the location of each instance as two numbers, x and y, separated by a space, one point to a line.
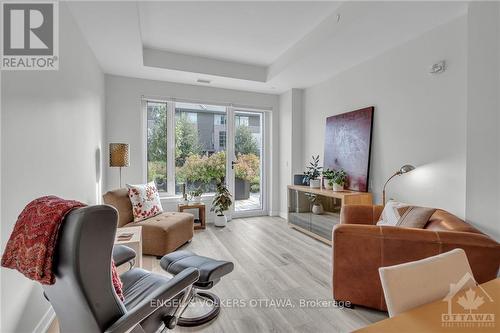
406 168
119 155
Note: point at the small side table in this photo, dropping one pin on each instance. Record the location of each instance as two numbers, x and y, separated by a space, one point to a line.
134 243
201 213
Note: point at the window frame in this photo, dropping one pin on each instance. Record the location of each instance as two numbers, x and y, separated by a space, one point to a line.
170 102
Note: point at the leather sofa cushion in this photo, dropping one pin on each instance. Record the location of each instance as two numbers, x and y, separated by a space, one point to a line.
120 200
164 233
442 220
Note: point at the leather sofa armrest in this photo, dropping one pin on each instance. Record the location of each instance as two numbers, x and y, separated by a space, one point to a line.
168 291
360 214
359 250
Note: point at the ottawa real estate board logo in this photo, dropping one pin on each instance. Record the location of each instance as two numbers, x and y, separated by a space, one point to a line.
30 34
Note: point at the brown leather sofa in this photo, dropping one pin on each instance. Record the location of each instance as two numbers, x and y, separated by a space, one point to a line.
161 234
360 248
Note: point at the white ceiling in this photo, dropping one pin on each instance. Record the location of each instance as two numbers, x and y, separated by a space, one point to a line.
248 32
256 46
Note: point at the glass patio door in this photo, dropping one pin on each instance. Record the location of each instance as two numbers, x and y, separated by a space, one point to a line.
245 162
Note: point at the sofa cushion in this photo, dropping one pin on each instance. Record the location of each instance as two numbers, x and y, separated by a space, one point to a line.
442 220
164 233
145 201
120 201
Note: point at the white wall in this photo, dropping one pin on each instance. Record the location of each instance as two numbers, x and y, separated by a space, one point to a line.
483 107
419 118
52 131
291 141
124 123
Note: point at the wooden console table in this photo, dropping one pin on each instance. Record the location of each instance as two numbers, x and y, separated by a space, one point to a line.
201 213
300 214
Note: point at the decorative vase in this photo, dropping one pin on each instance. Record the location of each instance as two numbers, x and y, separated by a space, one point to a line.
337 187
315 183
220 220
328 186
317 209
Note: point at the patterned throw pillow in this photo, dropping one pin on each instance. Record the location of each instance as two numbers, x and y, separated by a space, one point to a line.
145 201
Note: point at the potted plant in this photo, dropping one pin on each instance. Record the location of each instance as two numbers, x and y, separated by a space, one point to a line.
313 172
328 178
317 207
338 180
195 195
221 203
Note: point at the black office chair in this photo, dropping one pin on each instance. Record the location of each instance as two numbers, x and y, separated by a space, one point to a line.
83 296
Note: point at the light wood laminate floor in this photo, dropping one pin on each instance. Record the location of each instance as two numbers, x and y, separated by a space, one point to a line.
272 262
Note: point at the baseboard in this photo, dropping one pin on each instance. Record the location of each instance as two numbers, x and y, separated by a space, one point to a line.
47 319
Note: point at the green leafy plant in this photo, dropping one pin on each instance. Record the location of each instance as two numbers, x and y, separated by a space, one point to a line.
244 142
339 177
222 199
196 193
313 171
247 167
313 198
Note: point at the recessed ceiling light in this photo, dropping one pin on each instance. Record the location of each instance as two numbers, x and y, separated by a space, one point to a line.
205 81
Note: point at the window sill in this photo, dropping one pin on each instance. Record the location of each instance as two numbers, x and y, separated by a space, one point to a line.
178 198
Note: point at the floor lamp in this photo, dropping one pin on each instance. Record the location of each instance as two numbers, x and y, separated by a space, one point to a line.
404 169
119 156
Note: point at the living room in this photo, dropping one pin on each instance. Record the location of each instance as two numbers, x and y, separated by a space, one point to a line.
215 112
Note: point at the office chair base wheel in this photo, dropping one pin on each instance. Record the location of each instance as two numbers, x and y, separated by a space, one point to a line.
209 316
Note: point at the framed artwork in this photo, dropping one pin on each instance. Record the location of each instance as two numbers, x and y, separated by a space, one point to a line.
348 139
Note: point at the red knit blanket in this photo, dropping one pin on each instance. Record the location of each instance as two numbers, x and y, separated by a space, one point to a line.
31 246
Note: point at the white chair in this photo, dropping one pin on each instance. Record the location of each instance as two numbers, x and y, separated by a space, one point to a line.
409 285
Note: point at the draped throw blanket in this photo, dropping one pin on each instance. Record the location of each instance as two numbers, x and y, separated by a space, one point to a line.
31 246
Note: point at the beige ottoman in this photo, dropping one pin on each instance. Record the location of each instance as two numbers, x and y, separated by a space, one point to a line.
161 234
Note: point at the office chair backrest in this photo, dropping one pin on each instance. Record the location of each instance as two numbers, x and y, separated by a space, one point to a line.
83 296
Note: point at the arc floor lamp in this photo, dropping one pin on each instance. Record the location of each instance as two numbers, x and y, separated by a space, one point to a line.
119 156
404 169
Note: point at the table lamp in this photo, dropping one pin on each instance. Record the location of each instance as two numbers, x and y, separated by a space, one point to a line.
404 169
119 156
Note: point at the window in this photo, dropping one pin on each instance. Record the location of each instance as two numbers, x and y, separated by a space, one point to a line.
222 139
242 121
157 144
220 119
200 158
196 153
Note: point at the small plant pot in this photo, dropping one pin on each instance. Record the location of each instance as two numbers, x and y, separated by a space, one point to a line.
337 187
220 220
228 215
317 209
328 186
197 199
315 183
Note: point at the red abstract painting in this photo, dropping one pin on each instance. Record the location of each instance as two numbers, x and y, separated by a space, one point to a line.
348 145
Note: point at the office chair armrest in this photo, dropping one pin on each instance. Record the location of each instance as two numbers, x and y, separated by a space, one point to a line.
122 254
155 301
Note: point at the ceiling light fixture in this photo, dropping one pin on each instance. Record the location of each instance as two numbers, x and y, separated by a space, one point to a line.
205 81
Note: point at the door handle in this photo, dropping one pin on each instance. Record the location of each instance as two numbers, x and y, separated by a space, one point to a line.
233 163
